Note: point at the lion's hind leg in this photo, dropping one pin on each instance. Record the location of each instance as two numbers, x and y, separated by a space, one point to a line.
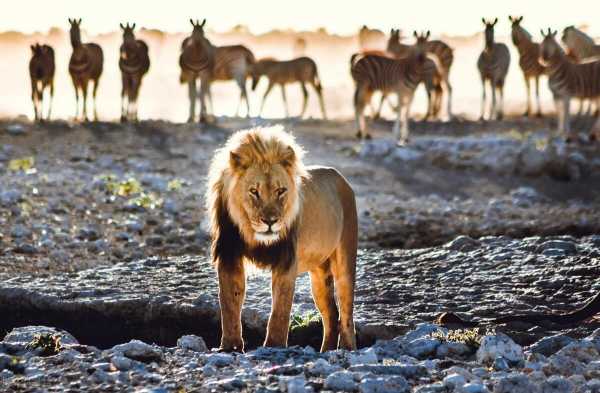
321 282
343 267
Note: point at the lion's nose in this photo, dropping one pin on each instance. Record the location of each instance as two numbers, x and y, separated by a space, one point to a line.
269 221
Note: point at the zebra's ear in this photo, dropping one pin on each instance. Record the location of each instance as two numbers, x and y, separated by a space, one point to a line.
121 25
428 34
510 18
79 21
203 22
520 19
192 22
415 34
133 26
495 21
484 22
32 48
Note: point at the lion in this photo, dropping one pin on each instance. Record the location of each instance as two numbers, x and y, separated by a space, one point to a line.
269 210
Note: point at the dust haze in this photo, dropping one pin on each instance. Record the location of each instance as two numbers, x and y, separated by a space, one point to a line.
162 96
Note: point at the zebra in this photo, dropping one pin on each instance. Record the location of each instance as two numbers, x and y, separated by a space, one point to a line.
85 66
580 47
41 71
302 69
134 63
232 62
529 52
443 56
493 66
568 80
400 76
197 60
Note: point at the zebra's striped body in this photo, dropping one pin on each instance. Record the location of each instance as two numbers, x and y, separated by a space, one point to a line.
568 80
493 66
233 62
302 70
400 76
436 77
197 61
529 53
41 71
85 66
134 63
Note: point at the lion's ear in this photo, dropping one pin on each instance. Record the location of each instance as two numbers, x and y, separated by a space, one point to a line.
288 159
235 160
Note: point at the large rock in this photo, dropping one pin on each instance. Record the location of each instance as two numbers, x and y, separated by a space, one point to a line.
499 345
139 350
340 381
25 334
395 384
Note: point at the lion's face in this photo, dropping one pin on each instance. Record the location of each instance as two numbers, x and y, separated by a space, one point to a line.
268 197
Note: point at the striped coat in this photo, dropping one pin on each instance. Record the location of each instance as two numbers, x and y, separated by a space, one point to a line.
568 80
493 66
197 60
529 53
85 66
41 72
233 62
443 57
400 76
134 63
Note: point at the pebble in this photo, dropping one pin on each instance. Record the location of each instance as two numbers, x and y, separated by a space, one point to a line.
340 381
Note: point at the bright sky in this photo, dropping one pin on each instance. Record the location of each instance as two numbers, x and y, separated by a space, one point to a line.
455 17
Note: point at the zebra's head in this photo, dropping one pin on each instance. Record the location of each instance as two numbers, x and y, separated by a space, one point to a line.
128 34
198 31
518 34
489 31
420 47
75 31
549 47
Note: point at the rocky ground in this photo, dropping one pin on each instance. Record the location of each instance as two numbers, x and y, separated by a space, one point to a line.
102 234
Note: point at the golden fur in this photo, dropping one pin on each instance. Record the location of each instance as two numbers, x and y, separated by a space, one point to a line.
262 202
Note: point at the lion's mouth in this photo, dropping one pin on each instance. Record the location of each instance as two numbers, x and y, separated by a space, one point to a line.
266 237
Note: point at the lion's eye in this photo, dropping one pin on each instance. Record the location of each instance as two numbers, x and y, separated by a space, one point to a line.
281 191
254 192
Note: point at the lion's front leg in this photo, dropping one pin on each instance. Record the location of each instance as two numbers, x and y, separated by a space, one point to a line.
283 284
232 290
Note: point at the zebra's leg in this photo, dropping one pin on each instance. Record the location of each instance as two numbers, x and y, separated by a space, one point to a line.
319 89
483 99
209 101
204 86
76 100
501 103
192 97
396 129
360 101
559 115
528 87
305 99
566 119
84 91
51 99
377 115
245 96
133 97
430 98
34 99
124 101
449 93
95 101
537 96
494 109
285 104
262 105
405 131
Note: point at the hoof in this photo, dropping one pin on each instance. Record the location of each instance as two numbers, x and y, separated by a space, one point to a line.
368 136
570 140
539 115
402 142
123 119
359 135
526 114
